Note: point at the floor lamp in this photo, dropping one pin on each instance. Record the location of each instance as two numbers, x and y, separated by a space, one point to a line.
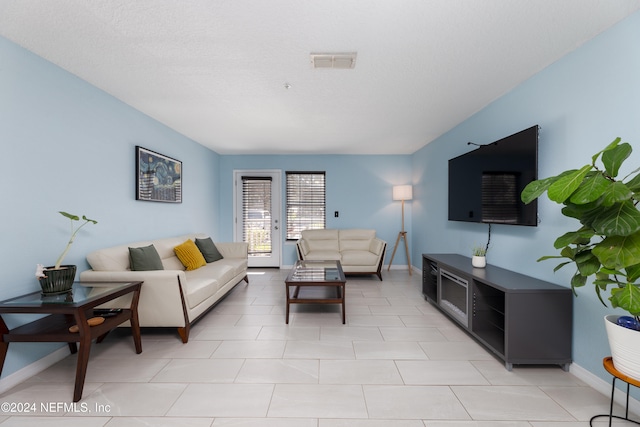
402 192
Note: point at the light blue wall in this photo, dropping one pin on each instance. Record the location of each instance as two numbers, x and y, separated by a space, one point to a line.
359 187
68 146
582 103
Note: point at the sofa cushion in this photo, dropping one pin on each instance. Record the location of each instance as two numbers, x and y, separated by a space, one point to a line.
323 255
321 240
200 288
145 258
356 239
189 255
208 249
359 258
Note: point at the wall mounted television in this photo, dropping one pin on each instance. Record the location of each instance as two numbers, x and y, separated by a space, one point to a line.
485 184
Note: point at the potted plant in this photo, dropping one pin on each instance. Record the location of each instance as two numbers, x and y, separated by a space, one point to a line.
478 258
59 278
606 247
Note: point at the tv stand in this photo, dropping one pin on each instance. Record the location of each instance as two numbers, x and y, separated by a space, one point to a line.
520 319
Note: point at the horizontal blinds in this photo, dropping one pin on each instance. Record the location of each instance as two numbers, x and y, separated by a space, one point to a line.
256 214
306 200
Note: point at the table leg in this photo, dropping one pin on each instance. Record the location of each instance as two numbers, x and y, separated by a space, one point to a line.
135 324
4 346
288 303
344 310
83 354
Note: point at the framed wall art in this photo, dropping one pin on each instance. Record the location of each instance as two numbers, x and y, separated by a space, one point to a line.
158 177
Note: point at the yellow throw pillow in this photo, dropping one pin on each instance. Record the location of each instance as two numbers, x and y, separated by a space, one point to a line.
189 255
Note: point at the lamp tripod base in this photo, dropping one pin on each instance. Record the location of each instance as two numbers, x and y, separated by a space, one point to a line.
401 235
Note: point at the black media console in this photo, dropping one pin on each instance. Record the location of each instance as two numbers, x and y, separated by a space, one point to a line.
522 320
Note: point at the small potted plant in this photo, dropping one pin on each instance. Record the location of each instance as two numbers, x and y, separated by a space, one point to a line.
479 260
59 278
606 245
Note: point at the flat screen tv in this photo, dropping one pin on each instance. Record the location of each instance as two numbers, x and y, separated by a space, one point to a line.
485 184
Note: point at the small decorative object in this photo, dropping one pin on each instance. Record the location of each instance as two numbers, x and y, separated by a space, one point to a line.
607 244
158 177
59 278
479 258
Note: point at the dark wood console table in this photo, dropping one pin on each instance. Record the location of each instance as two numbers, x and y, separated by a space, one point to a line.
66 310
520 319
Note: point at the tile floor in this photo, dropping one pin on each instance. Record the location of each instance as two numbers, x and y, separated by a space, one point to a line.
397 362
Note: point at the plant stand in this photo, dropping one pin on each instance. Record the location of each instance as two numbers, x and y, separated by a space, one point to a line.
607 362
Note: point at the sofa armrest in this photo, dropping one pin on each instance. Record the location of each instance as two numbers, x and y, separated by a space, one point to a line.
233 249
160 296
377 246
302 248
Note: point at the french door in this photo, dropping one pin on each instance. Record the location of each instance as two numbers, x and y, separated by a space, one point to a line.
257 215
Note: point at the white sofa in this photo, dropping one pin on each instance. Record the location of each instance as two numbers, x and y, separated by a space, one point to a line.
359 251
171 297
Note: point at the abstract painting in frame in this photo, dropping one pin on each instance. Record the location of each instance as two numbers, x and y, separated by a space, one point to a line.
158 177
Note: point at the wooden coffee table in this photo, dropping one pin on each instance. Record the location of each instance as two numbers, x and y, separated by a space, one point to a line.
310 273
66 310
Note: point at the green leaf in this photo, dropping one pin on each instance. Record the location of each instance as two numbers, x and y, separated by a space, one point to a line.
584 213
564 187
546 257
621 219
562 264
89 220
70 216
587 263
534 189
580 237
633 272
634 183
593 186
612 159
611 146
578 281
616 192
618 252
626 298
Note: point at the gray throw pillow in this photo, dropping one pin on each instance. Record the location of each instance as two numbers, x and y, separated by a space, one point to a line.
145 259
208 249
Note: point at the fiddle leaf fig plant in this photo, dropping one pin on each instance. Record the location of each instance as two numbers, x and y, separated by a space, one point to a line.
607 245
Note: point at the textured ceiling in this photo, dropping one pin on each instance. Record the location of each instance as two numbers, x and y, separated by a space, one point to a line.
215 71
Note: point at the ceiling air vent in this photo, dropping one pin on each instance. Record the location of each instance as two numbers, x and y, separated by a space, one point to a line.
334 60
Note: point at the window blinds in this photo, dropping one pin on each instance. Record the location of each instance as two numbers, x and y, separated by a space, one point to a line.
306 201
256 214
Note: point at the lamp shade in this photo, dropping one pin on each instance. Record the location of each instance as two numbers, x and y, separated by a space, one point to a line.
402 192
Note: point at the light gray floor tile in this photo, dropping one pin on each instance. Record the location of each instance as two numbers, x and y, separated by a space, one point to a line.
199 371
319 350
359 372
388 350
440 372
318 401
279 371
510 403
250 349
413 402
223 400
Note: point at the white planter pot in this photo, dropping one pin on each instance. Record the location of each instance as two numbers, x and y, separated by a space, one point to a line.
625 347
479 261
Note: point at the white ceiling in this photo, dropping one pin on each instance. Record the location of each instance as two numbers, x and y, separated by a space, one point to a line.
215 70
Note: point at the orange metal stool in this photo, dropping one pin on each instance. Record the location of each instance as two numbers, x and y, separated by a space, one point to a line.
607 362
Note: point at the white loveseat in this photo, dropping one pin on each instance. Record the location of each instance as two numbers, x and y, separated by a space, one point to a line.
172 297
359 251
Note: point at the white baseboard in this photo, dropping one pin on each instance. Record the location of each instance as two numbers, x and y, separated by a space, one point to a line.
604 387
35 368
